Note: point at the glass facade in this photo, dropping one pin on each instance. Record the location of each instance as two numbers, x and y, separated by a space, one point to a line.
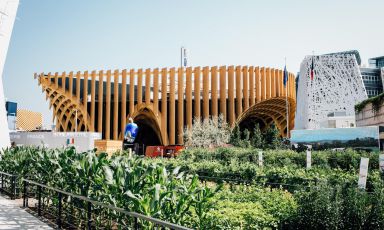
372 81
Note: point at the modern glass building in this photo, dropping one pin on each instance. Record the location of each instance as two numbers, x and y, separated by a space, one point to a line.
372 81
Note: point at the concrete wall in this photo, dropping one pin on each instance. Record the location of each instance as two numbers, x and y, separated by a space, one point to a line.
367 117
83 141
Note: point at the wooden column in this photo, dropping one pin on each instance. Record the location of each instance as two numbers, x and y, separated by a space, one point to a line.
273 83
108 107
49 78
131 92
188 97
116 105
214 109
57 80
100 102
245 87
278 83
206 93
63 77
70 87
268 83
148 86
164 101
180 106
257 84
223 92
262 84
78 76
93 93
197 73
251 78
239 98
123 118
85 100
171 119
139 86
231 96
156 91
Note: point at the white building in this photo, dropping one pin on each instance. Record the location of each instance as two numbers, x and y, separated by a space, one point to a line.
8 10
337 85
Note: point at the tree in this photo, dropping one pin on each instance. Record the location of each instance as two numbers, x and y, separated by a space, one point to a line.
235 136
271 137
209 133
245 141
257 138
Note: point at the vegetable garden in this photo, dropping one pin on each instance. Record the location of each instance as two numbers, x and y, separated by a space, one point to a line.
224 188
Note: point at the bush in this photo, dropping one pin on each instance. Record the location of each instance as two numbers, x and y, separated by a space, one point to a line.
209 133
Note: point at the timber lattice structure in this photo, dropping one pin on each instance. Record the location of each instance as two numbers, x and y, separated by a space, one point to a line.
165 101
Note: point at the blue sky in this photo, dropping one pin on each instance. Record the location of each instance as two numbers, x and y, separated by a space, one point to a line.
73 35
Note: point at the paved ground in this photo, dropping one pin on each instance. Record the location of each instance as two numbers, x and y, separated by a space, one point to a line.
14 217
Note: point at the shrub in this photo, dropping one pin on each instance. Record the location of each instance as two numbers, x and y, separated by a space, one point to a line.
212 132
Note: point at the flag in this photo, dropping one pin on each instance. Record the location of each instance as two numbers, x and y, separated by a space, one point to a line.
70 141
312 71
285 79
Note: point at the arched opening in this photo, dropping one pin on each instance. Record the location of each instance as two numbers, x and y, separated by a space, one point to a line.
149 130
250 124
266 113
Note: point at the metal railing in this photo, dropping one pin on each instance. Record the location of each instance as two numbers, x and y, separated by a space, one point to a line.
9 184
69 211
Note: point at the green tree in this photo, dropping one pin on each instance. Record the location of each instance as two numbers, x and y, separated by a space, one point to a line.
235 138
257 138
245 141
271 137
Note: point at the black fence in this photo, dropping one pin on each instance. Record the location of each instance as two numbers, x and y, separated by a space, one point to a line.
69 211
9 185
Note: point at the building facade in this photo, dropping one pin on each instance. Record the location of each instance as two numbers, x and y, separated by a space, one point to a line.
8 9
336 86
163 102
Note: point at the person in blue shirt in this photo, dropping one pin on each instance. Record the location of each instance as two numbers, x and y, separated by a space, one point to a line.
131 130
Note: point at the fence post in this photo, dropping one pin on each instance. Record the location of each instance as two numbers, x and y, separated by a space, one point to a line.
39 201
89 215
25 194
2 181
59 212
136 224
13 187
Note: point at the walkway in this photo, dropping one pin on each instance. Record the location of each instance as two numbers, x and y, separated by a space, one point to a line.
14 217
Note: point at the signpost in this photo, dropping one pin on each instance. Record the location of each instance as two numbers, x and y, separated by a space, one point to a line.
381 162
363 172
260 158
309 159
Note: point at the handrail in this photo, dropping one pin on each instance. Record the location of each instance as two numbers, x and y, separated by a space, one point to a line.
107 206
7 174
12 189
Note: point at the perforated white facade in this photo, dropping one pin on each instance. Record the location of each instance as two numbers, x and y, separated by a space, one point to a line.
337 86
8 10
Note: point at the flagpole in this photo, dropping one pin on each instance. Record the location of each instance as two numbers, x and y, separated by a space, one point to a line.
286 99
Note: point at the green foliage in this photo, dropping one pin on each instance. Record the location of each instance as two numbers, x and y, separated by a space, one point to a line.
212 132
235 138
130 183
323 197
376 101
271 137
257 140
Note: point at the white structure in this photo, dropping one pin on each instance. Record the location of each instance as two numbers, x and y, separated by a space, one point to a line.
337 86
338 120
83 141
8 9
